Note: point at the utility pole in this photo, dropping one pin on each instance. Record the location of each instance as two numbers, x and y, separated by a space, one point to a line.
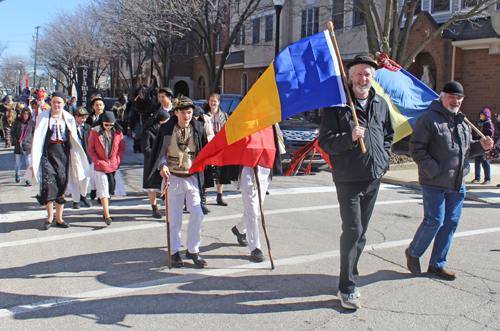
36 49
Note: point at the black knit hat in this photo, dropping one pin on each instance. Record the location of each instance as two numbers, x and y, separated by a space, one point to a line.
198 111
162 115
363 58
454 88
108 117
59 94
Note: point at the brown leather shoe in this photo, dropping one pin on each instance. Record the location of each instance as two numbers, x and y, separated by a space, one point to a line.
413 264
441 272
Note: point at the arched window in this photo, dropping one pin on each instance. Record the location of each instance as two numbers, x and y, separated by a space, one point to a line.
201 88
244 84
259 74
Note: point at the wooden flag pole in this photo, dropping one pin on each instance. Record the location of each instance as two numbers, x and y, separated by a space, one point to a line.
474 128
168 228
346 86
256 172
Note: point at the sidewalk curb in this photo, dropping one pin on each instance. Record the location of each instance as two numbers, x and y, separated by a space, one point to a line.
416 186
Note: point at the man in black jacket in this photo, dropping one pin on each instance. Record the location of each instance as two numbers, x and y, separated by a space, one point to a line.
440 145
22 138
357 175
178 142
83 130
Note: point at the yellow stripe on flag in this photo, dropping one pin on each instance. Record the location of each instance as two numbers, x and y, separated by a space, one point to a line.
400 124
259 109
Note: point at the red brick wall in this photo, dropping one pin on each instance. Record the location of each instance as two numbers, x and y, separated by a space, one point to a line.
232 84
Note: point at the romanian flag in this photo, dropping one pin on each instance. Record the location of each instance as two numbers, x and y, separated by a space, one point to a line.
303 76
407 97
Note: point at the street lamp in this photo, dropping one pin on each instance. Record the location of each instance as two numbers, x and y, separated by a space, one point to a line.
278 6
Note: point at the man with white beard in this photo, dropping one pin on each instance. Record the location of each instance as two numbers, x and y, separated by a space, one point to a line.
357 175
441 145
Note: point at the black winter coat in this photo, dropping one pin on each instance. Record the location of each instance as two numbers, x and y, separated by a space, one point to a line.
348 162
159 150
148 138
85 139
440 145
16 133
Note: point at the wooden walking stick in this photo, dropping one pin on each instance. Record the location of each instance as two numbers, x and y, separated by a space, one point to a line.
474 127
346 86
256 172
165 191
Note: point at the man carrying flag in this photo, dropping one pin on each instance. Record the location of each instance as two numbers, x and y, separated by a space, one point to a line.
357 175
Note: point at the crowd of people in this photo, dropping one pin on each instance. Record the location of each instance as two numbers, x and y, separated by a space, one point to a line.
69 148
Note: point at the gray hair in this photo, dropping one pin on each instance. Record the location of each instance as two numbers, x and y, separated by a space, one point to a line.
353 68
441 96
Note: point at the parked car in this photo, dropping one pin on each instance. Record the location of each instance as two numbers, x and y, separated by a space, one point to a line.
298 132
229 102
109 102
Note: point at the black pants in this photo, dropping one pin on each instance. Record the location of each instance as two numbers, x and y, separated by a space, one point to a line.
356 201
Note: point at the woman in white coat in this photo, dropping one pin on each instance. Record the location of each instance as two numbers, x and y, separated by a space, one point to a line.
58 161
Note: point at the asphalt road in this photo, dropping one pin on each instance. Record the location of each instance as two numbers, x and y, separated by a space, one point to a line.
95 277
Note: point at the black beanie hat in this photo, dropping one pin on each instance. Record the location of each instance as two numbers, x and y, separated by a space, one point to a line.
59 94
162 115
454 88
197 111
108 117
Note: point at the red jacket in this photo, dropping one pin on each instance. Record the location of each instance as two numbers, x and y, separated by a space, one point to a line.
98 153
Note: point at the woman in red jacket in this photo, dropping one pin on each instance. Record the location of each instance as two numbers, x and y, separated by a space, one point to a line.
106 149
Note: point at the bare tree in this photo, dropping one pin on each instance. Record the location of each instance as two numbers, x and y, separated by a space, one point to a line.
13 70
3 47
379 28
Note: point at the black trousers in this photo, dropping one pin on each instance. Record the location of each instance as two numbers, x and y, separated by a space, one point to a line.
356 201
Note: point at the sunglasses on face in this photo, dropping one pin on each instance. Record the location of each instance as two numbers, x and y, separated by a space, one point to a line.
107 125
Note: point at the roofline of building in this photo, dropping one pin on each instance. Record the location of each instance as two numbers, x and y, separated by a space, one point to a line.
493 44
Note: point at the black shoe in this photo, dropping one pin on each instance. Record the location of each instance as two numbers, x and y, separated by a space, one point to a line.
176 260
99 201
156 213
85 201
198 261
205 209
93 194
204 203
413 264
76 205
220 201
47 225
108 221
257 255
441 272
242 238
62 225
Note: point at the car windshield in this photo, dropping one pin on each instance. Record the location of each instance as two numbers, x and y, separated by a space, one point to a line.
299 116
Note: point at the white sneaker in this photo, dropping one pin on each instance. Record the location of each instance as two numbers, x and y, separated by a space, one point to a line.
357 293
349 301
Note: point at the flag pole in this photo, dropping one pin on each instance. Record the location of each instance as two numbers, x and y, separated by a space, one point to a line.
346 86
474 127
256 172
168 225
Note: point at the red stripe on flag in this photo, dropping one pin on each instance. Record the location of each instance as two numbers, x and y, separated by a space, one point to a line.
256 149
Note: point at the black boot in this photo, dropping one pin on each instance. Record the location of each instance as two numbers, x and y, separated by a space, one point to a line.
220 201
156 213
93 194
204 203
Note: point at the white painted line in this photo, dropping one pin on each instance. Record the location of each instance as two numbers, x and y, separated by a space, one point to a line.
158 224
182 279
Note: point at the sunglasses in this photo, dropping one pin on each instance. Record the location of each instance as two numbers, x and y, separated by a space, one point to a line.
107 124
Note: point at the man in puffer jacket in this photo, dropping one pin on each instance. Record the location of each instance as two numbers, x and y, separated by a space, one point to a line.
488 129
440 145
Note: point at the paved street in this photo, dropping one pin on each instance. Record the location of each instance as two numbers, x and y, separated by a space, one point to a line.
95 277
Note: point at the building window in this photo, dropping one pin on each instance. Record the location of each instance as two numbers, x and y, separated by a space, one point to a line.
338 14
259 74
218 40
244 84
310 22
256 31
240 36
203 46
358 16
182 47
440 5
470 3
269 28
498 5
201 88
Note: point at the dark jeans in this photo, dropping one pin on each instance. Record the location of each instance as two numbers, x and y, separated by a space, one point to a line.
356 201
480 161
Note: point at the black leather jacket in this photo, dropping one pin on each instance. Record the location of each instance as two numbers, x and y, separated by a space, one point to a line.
348 162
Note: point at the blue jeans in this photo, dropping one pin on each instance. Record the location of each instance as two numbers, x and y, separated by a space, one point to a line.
19 162
478 162
442 210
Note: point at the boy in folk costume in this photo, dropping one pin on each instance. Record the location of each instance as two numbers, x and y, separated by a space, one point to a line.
178 142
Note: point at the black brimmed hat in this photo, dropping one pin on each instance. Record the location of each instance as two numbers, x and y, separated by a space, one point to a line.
364 58
167 91
182 103
454 88
97 98
108 117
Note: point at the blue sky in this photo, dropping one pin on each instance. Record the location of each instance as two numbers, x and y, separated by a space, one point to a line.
20 17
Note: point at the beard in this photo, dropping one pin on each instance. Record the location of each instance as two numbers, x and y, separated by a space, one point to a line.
362 89
453 108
